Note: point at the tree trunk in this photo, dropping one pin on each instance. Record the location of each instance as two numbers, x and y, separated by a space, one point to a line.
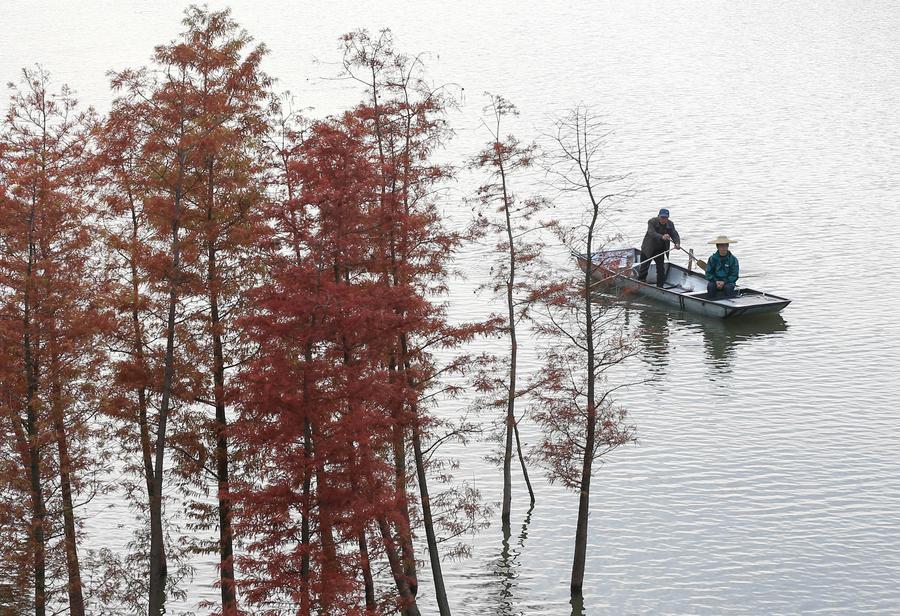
364 563
581 528
143 420
511 423
306 593
366 566
226 549
38 508
143 427
305 596
158 571
507 470
522 463
583 508
76 598
433 554
404 529
38 517
407 599
330 564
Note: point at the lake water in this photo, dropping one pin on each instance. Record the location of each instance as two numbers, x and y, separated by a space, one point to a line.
767 476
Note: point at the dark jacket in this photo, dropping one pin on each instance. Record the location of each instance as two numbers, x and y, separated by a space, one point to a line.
653 242
722 268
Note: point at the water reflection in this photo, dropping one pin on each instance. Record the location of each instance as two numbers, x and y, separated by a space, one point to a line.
577 603
721 337
654 326
507 569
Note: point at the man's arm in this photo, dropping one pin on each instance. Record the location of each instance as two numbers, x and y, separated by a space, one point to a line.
710 270
675 237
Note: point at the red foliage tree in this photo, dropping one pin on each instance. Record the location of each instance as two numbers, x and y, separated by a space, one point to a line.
519 273
16 558
185 197
52 305
136 261
226 215
345 329
311 395
163 112
406 120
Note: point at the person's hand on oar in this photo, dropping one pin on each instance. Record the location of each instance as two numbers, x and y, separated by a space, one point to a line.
668 238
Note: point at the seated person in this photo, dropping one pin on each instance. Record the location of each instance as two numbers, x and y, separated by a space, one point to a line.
721 269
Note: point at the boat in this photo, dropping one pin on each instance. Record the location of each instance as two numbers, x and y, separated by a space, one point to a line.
682 288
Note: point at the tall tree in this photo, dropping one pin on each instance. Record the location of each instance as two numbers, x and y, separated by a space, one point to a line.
317 323
45 270
406 120
518 273
227 213
345 328
575 400
136 262
16 557
165 106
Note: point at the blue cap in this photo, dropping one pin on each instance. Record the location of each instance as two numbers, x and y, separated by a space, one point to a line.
664 213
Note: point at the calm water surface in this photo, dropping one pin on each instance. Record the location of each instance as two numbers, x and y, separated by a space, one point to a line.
767 476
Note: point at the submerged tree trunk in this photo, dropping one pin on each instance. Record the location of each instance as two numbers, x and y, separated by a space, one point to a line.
433 554
226 549
513 351
581 528
158 571
408 600
76 597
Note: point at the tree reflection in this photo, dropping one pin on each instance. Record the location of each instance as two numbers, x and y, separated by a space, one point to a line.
577 603
507 568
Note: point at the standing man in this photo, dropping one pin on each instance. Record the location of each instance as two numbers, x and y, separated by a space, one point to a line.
721 269
660 231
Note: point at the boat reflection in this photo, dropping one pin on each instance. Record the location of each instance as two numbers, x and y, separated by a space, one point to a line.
654 327
721 337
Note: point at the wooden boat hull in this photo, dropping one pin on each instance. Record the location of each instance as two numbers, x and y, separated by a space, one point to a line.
682 289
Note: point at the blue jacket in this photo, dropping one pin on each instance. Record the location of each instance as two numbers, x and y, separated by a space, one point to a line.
722 268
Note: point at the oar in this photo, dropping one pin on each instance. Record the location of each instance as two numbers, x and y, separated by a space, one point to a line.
595 283
700 262
702 265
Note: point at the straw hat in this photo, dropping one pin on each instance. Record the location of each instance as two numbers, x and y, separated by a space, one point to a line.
723 239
